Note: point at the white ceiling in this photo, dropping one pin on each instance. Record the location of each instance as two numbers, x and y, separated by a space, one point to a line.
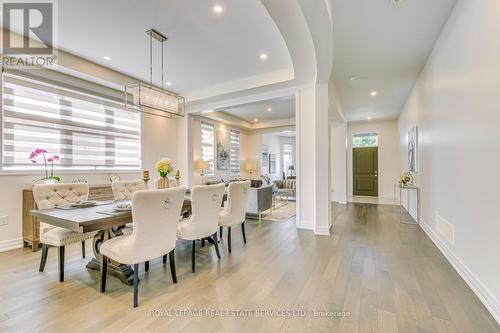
204 48
384 46
281 109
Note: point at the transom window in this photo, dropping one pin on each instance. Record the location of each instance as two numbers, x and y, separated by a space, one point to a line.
365 140
84 123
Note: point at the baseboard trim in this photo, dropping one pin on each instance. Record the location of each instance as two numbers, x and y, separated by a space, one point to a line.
305 225
489 300
11 244
322 231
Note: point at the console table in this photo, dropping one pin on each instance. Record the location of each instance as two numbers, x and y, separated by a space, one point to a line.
408 188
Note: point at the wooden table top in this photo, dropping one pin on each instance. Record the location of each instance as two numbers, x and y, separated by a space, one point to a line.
98 217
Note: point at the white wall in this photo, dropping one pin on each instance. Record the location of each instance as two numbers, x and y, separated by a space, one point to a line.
455 103
388 154
339 163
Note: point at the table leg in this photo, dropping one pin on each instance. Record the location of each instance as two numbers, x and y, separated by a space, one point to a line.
122 272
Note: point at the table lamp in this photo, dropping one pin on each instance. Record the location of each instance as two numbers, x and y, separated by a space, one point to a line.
291 168
202 166
251 167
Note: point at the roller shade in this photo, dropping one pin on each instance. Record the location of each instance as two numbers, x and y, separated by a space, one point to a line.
85 123
207 145
235 151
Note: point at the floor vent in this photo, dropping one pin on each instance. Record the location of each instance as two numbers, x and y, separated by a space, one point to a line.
445 229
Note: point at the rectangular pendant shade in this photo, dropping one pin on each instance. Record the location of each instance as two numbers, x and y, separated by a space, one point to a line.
153 100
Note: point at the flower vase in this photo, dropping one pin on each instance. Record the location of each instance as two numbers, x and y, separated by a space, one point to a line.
162 182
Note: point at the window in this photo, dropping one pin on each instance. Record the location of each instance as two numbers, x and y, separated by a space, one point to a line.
207 145
287 156
235 151
84 123
365 140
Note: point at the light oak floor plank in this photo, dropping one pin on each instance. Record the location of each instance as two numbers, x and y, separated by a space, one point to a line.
371 275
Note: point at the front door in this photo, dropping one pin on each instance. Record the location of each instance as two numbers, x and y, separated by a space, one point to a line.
365 171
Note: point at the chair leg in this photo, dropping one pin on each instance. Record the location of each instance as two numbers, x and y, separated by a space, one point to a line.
229 239
104 271
83 249
216 245
171 257
192 256
220 232
164 259
136 284
243 232
43 259
146 266
61 263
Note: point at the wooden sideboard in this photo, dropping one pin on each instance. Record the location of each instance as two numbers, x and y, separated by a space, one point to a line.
31 225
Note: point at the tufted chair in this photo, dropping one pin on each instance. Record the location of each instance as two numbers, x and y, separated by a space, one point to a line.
49 196
234 214
205 202
156 215
124 189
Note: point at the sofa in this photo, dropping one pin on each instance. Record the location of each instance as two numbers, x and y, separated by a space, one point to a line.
285 187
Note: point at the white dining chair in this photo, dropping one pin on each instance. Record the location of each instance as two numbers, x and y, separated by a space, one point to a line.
234 214
204 220
125 189
155 214
59 195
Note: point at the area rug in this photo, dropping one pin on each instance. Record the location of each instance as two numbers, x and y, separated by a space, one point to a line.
281 214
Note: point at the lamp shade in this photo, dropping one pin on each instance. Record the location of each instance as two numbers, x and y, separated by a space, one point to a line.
251 166
202 165
291 168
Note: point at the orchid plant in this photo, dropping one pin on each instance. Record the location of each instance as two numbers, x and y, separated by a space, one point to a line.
47 161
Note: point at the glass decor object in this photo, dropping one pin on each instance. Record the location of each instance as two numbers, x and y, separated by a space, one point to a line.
151 99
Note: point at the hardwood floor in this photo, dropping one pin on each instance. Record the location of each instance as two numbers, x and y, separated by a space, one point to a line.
388 277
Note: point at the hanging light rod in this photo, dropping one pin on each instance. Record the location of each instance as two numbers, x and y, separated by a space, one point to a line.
150 99
157 35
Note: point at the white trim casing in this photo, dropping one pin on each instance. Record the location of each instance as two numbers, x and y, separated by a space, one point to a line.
11 244
482 292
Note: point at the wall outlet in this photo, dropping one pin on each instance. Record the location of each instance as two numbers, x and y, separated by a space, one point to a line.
445 229
4 220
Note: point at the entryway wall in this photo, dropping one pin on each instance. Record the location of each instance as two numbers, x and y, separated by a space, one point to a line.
388 159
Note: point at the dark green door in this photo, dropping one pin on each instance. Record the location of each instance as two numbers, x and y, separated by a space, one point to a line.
365 171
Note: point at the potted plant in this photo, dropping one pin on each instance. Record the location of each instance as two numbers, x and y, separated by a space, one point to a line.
48 163
164 167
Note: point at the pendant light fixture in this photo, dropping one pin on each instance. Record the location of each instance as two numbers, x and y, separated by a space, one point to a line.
150 99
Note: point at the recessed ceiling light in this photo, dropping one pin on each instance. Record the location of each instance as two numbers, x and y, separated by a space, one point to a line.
255 119
373 93
269 109
263 56
353 78
106 58
369 118
218 9
169 83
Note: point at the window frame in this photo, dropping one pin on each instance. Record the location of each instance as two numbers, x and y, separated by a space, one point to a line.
211 171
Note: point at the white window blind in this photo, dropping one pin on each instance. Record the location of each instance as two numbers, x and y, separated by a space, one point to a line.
235 151
207 145
84 123
288 151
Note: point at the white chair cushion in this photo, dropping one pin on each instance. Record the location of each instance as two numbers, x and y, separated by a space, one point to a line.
234 214
155 214
125 189
60 236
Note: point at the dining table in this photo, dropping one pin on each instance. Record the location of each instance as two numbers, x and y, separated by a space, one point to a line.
106 221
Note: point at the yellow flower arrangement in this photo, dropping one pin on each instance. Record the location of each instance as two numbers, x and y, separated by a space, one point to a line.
164 167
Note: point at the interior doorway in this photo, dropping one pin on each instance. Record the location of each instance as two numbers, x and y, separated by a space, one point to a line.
365 165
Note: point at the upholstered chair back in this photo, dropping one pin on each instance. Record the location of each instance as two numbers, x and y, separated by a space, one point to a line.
56 195
206 201
156 214
237 199
125 189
